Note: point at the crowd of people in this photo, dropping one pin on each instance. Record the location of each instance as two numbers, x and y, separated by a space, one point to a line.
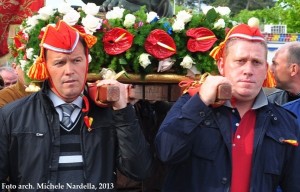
58 136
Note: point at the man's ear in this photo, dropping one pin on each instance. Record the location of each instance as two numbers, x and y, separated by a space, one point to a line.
294 69
268 69
220 64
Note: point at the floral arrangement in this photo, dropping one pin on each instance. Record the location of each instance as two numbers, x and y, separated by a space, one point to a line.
135 42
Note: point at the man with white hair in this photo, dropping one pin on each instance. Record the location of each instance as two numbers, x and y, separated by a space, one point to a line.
9 75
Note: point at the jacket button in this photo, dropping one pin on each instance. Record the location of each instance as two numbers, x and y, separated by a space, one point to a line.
207 122
281 139
224 180
202 114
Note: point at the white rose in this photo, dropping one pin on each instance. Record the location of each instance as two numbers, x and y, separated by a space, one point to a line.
71 17
178 25
144 60
32 21
32 88
109 15
129 20
28 29
234 23
219 24
224 11
91 24
184 15
206 9
115 13
107 73
64 8
91 9
45 13
187 62
29 53
165 64
151 16
192 72
23 63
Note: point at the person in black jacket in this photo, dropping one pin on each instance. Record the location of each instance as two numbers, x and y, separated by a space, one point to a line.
58 138
286 69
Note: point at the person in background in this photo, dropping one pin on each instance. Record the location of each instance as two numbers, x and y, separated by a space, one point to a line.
294 106
241 144
9 75
15 91
1 83
286 71
58 137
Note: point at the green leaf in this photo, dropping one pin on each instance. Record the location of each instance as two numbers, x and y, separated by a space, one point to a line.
212 16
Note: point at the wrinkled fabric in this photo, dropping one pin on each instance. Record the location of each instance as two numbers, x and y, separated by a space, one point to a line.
195 143
30 143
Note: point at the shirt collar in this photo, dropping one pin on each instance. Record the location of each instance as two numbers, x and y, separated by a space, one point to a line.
260 101
58 101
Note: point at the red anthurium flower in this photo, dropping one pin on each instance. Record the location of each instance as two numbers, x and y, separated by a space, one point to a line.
41 34
160 44
116 41
19 40
202 39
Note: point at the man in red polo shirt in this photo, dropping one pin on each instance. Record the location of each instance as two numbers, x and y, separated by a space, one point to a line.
245 144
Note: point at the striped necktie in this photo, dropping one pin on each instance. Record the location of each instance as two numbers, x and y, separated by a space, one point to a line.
67 110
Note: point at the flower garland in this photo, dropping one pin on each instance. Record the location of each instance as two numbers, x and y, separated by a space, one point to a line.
136 42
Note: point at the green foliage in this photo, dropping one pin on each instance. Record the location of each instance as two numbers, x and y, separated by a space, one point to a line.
129 59
266 16
284 12
289 14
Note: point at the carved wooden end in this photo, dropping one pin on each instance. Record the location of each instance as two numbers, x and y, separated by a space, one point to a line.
155 92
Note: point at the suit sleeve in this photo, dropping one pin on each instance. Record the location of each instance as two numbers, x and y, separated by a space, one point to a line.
3 151
291 172
134 158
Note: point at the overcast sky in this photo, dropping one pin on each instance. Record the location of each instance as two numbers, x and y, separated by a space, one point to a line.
55 3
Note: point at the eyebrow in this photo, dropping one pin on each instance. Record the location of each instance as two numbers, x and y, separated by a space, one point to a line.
9 83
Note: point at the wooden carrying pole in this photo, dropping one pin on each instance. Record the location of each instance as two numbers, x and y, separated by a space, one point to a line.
153 87
111 93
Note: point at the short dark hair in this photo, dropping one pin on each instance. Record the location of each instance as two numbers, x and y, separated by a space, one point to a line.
7 68
293 53
232 40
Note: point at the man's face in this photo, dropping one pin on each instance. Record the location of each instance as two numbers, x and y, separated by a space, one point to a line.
9 77
281 69
67 72
246 67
